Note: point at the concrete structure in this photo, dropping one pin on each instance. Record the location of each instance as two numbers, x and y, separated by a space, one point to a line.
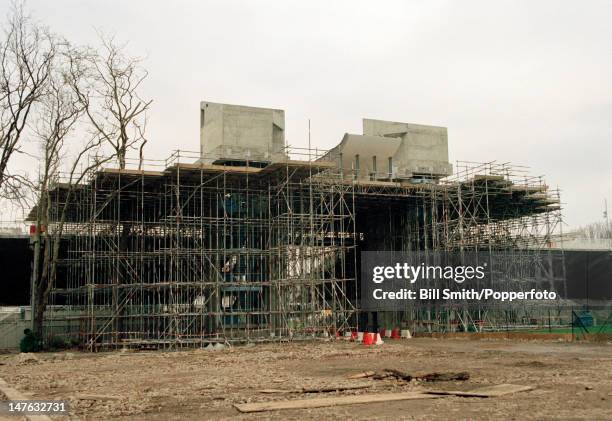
239 133
247 245
367 157
394 151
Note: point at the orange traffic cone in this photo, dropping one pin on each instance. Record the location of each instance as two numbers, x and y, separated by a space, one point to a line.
353 335
367 339
395 334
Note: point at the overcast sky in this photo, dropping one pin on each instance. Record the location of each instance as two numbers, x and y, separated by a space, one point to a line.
527 82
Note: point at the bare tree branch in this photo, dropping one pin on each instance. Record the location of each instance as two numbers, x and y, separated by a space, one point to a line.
112 102
26 55
61 109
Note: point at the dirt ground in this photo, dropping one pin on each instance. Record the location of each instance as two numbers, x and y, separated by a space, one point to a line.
572 380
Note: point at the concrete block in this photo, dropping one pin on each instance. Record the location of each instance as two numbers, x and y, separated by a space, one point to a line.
423 150
240 133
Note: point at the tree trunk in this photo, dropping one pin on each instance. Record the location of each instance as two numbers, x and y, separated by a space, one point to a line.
38 312
36 321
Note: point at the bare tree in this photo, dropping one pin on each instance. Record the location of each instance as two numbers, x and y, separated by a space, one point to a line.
26 54
112 101
50 87
61 109
595 231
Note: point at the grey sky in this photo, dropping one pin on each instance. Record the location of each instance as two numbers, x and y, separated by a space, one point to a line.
528 82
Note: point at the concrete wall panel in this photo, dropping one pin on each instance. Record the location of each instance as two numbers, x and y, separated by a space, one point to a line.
236 132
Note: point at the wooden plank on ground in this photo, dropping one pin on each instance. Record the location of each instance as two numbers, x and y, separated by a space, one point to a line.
275 391
362 375
485 392
330 401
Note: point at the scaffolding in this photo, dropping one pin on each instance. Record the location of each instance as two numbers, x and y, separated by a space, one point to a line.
486 212
196 252
201 253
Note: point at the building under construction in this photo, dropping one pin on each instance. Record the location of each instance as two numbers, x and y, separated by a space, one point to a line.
250 240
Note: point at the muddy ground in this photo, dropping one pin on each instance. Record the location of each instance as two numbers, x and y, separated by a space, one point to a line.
572 380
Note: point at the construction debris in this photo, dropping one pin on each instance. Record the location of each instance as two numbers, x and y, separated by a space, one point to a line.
335 388
322 389
444 377
363 375
485 392
400 375
274 391
330 401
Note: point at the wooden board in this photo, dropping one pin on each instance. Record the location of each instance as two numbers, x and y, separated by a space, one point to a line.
330 401
486 392
321 389
275 391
